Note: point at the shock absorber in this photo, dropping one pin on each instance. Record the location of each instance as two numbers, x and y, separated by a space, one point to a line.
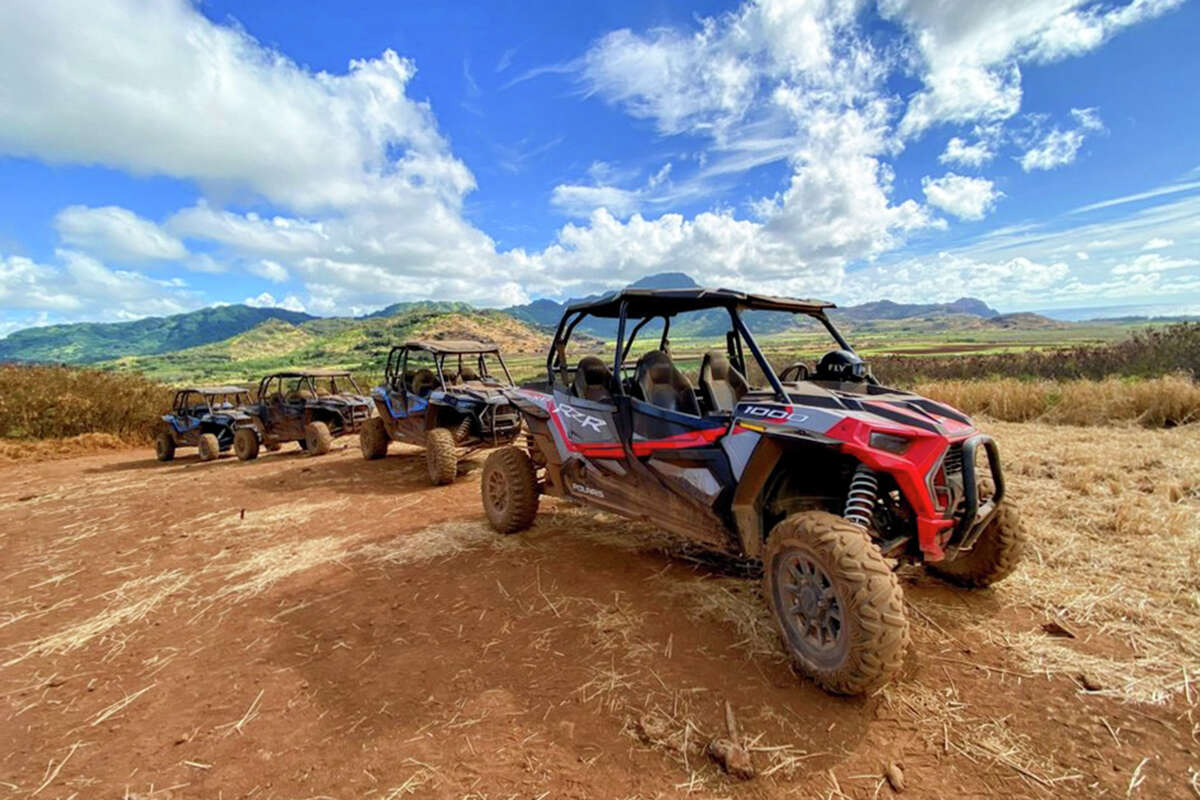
463 430
860 500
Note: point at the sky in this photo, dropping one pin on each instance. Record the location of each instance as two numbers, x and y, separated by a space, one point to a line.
158 156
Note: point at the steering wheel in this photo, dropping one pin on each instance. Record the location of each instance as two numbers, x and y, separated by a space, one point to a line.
794 372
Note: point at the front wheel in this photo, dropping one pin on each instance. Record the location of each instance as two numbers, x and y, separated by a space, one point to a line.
317 438
995 555
245 444
510 490
373 439
836 603
441 456
164 447
210 447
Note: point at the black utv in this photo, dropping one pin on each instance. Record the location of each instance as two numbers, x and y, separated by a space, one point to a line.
310 407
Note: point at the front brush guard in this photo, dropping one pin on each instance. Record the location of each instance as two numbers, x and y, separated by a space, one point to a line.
975 518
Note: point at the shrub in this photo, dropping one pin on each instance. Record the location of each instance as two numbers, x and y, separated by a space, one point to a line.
54 402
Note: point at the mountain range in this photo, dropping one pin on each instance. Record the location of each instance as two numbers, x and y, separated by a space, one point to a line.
92 342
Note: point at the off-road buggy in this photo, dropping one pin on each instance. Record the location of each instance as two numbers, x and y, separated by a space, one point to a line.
825 476
204 417
447 396
310 407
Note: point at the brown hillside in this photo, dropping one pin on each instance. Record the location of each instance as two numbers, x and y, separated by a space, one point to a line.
513 336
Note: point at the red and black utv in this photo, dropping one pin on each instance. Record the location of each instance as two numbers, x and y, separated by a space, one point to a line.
824 475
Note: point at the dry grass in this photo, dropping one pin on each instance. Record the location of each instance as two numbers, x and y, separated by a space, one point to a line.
61 402
1158 402
70 447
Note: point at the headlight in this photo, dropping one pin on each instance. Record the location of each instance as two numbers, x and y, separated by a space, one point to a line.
889 442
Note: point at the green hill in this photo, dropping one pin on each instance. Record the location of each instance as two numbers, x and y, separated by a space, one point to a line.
90 342
360 345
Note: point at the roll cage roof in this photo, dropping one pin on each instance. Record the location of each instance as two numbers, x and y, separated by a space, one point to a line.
451 347
311 373
213 390
668 302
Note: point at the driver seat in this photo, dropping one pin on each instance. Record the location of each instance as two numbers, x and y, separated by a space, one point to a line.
592 379
467 374
665 386
721 384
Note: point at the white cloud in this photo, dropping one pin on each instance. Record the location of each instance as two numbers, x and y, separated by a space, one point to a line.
267 300
116 234
1158 243
268 269
216 107
1153 262
83 288
968 55
948 276
968 155
1059 147
966 198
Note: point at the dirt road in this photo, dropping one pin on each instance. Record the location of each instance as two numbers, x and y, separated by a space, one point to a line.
303 627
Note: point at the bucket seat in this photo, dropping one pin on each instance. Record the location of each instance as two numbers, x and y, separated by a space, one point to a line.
661 384
721 384
592 379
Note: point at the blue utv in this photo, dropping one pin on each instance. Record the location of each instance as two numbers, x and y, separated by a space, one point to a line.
447 396
204 417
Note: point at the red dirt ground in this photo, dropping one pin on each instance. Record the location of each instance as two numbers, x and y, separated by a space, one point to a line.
303 627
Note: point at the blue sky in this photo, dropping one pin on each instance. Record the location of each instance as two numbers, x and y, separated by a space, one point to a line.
1038 154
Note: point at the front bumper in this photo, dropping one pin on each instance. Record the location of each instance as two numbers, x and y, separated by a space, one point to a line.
947 536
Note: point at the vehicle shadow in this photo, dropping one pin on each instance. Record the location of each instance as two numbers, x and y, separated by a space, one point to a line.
346 471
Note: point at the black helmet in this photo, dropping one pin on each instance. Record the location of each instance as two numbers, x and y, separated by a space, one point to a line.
841 365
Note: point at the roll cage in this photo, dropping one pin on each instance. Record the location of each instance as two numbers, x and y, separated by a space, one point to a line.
206 398
305 379
398 376
641 307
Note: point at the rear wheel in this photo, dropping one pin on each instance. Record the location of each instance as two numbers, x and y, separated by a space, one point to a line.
510 491
995 555
836 603
373 439
245 444
210 447
317 438
441 456
164 447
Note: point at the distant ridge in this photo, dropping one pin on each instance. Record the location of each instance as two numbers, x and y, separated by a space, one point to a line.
84 343
87 342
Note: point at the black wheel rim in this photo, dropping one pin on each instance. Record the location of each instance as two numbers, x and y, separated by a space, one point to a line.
497 488
808 605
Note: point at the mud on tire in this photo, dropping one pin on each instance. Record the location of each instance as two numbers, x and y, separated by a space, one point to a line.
837 605
373 439
164 447
510 491
317 438
245 444
210 447
993 558
441 456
